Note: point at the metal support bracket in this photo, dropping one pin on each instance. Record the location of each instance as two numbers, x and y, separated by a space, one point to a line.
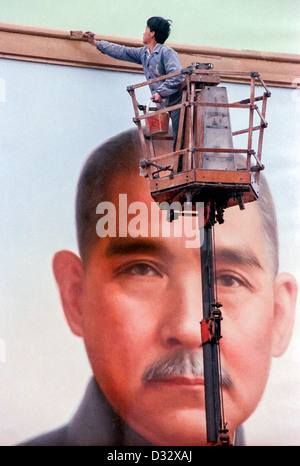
211 327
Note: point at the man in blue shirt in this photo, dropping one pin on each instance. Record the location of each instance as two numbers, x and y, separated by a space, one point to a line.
157 60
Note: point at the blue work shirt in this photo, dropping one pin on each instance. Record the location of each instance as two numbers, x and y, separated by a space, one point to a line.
163 60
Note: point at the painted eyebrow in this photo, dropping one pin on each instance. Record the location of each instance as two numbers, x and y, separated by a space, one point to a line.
127 246
244 257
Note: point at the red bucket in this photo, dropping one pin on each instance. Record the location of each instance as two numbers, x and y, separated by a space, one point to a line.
157 124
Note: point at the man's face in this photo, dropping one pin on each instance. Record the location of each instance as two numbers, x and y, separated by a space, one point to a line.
142 302
147 36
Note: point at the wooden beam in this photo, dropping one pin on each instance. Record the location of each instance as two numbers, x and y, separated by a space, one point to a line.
53 46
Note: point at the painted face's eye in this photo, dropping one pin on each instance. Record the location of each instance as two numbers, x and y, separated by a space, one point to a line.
228 281
141 269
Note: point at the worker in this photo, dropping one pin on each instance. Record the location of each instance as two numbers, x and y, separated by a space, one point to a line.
157 60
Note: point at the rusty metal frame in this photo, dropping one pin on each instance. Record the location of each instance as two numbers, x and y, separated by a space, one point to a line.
188 104
163 167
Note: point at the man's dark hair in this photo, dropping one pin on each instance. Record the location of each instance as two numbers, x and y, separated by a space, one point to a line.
161 27
119 155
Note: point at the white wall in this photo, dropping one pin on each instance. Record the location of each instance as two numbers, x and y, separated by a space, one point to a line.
52 117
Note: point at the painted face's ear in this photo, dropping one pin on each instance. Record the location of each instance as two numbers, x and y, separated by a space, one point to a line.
69 275
285 296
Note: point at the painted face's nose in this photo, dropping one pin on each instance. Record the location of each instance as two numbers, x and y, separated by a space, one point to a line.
180 328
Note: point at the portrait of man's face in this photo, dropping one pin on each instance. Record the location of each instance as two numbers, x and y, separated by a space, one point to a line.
137 303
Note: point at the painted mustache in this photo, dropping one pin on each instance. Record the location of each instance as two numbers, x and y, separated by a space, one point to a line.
181 362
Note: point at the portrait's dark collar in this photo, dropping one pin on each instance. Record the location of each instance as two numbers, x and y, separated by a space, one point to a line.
97 424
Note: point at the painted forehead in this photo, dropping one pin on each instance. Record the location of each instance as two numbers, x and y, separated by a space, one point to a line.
132 208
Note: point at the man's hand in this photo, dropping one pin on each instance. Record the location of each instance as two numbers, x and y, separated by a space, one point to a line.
90 36
156 97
